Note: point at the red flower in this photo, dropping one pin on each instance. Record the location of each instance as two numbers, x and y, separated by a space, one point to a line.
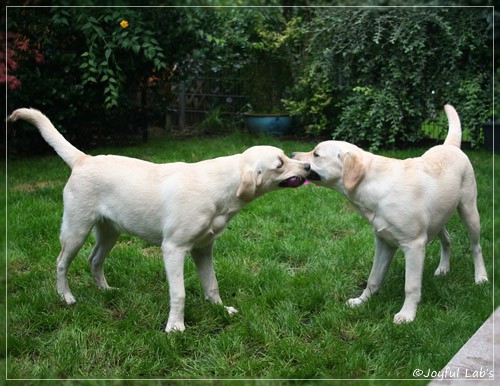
18 51
39 57
13 82
23 45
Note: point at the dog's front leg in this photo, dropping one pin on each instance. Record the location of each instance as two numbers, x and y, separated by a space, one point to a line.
444 263
204 261
384 253
414 266
173 258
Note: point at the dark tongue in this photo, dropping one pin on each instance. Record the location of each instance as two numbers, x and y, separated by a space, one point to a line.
292 182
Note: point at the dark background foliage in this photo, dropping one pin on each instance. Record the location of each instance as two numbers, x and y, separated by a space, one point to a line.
371 76
380 73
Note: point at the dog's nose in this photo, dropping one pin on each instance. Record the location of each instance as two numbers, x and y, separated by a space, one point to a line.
307 167
293 155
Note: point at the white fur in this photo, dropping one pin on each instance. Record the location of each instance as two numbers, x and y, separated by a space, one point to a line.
407 202
182 207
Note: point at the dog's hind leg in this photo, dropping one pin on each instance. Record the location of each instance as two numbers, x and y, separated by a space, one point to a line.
173 258
203 259
444 264
106 236
470 218
384 253
72 237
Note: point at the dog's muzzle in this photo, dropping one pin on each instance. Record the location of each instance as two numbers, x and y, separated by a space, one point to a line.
295 181
313 176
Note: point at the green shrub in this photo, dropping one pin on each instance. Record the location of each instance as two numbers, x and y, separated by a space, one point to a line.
376 74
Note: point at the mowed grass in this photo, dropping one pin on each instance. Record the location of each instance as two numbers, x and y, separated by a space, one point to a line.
288 262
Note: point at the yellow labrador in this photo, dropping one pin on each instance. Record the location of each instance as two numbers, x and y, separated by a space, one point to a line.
182 207
407 202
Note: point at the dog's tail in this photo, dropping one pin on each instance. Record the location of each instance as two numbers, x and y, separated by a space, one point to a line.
454 136
66 150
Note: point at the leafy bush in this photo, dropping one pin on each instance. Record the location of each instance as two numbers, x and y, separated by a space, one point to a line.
117 41
375 75
100 62
369 75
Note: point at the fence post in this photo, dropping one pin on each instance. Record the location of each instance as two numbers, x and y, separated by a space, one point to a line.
144 113
182 105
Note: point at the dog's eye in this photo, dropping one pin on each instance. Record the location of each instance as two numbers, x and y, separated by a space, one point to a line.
315 154
280 164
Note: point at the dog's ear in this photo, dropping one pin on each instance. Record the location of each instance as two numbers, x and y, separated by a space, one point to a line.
250 180
353 170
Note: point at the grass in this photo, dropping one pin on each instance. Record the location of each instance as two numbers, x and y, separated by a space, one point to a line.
288 262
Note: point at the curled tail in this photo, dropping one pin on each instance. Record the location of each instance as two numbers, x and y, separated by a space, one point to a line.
454 136
63 148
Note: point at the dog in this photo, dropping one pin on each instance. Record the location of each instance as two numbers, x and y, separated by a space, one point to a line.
183 207
407 202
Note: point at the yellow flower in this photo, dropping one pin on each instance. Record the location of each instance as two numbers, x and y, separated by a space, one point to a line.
124 23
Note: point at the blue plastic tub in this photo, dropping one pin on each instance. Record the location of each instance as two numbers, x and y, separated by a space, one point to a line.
270 124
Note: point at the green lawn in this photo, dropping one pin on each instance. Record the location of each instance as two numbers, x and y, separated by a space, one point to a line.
288 262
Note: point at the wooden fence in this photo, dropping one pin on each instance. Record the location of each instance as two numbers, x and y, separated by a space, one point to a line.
197 97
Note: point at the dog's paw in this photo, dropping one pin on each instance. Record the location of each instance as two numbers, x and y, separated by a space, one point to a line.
480 279
108 288
441 271
68 298
175 327
354 302
231 310
404 317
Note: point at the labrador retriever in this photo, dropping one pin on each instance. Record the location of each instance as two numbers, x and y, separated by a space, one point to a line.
183 207
407 202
